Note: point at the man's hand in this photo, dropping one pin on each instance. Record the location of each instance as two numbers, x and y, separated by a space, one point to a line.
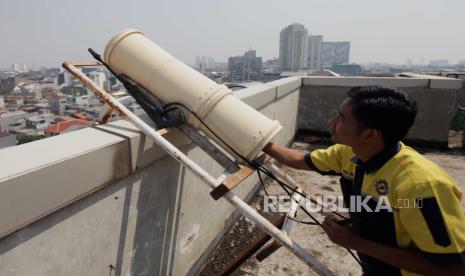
407 258
341 235
288 157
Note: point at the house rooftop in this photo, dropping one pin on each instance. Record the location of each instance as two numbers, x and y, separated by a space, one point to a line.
61 127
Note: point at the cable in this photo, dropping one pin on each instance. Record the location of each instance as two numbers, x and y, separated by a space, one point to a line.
315 221
262 183
255 165
303 222
209 129
355 257
167 108
259 168
269 174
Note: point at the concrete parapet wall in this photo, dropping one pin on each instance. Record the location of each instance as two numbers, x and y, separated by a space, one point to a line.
426 81
460 99
106 201
320 97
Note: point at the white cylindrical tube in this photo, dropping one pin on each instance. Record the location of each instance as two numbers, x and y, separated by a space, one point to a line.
243 128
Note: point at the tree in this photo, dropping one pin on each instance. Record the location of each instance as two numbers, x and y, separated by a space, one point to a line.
29 138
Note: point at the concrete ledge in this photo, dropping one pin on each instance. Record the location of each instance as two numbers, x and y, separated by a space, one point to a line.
425 82
445 83
64 168
286 85
257 96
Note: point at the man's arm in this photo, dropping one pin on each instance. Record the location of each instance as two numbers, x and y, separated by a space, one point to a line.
408 259
288 157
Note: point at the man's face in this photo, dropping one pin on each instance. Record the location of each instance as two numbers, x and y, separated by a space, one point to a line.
344 128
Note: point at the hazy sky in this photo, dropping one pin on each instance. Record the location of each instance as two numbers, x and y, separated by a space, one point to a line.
48 32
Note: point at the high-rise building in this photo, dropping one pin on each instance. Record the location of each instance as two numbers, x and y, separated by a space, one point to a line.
334 53
19 67
204 63
15 67
293 47
245 68
314 51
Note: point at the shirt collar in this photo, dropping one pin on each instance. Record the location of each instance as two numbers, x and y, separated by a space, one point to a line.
377 161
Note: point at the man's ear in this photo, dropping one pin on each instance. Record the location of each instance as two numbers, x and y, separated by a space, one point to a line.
371 135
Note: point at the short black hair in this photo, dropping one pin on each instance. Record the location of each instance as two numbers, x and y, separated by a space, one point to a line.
386 109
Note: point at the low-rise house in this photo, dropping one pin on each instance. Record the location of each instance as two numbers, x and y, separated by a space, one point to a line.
63 127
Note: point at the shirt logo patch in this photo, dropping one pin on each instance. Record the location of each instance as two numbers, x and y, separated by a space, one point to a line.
382 187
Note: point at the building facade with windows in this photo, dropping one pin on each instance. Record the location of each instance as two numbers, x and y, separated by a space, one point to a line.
334 53
293 47
248 67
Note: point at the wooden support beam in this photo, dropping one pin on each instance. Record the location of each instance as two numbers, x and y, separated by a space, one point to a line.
235 179
266 252
251 249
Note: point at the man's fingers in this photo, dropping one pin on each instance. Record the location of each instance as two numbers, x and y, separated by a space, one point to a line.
328 227
331 216
331 222
325 226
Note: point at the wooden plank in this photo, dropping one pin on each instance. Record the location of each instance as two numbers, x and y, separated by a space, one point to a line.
235 179
251 248
266 252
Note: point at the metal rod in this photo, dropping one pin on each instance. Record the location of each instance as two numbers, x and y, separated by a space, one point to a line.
292 212
237 202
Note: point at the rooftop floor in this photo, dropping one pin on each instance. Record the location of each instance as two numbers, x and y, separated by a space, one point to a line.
311 237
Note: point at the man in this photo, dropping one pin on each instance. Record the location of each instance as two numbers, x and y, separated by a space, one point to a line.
424 232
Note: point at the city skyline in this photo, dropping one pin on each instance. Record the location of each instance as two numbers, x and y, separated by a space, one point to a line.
47 33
